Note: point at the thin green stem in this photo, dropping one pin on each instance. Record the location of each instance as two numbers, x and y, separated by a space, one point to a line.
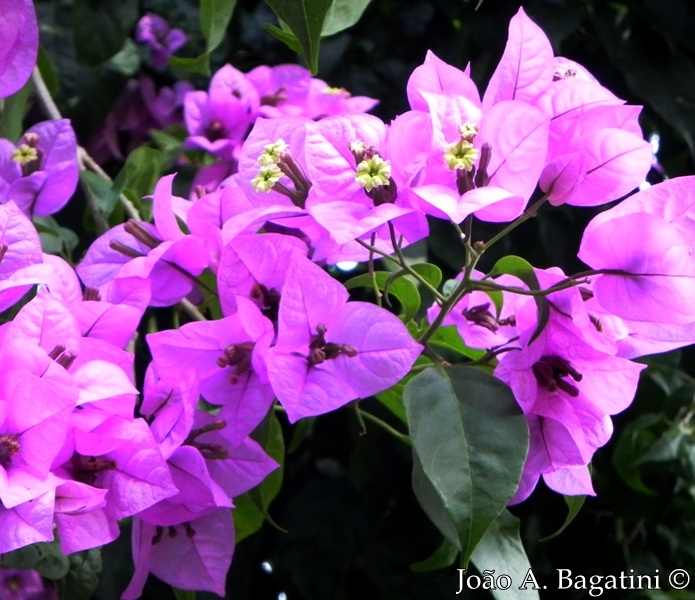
530 212
376 250
50 109
490 286
406 267
372 274
385 426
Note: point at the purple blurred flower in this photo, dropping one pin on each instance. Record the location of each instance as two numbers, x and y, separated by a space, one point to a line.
19 584
162 40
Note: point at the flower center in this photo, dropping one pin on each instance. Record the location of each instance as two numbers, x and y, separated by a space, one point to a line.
9 446
276 98
551 372
171 532
268 300
373 173
320 350
88 467
208 451
276 161
237 356
215 131
28 156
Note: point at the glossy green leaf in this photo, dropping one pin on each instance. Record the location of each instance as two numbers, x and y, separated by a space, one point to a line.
392 398
501 550
442 557
305 19
287 37
433 503
448 337
143 169
431 273
498 300
214 19
402 289
574 504
100 28
248 519
104 192
470 440
184 594
343 14
518 267
83 578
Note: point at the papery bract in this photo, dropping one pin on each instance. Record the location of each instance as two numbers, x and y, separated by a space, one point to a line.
19 44
651 268
40 175
227 358
330 352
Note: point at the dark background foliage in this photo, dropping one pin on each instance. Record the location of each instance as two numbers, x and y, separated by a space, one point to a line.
353 526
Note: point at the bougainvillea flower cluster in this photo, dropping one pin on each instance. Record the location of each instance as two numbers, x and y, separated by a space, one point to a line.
302 180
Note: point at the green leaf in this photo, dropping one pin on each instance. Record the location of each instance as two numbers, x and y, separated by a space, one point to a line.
248 519
517 266
574 504
105 193
214 19
467 474
56 239
635 440
127 60
200 65
48 72
12 112
667 447
392 398
44 557
448 337
501 549
305 19
286 37
143 168
442 557
402 289
269 435
170 142
183 594
430 273
302 430
101 28
343 14
82 579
